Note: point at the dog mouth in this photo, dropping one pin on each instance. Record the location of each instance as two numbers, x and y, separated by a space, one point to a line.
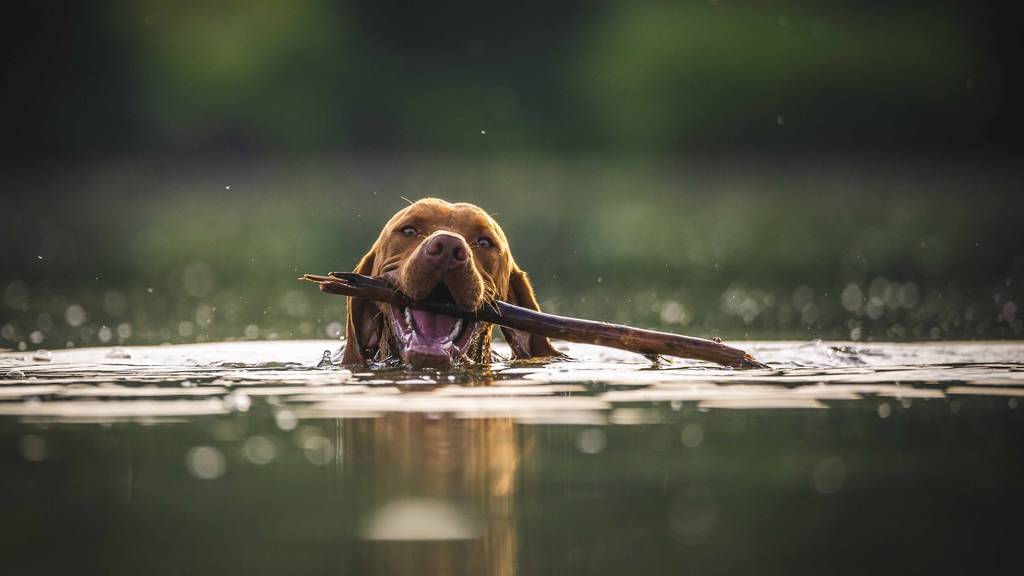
429 339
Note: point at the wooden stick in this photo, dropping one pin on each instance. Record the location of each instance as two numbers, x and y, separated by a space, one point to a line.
648 342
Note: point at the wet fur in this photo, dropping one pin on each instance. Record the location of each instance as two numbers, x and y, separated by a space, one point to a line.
492 275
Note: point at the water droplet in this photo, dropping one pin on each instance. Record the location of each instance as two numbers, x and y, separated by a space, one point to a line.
74 315
884 410
333 330
8 332
852 298
673 312
692 435
14 375
809 313
318 449
325 360
118 352
185 328
42 355
259 450
802 296
285 420
237 401
204 315
205 462
591 441
829 475
33 447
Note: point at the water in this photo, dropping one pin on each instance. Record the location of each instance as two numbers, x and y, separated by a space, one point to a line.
258 458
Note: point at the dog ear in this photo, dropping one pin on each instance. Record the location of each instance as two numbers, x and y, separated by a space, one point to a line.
362 321
524 344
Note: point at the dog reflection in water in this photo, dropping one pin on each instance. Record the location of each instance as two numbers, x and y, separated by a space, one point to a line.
442 494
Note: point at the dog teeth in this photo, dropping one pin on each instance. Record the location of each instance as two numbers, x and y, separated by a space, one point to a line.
408 317
455 329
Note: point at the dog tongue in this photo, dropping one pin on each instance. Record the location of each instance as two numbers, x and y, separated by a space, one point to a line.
432 327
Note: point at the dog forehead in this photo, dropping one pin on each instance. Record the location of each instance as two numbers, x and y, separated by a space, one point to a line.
443 214
471 214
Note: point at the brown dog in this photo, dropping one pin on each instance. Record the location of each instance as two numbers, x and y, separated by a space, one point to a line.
448 252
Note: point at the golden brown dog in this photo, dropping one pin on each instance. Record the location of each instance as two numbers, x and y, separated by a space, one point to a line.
448 252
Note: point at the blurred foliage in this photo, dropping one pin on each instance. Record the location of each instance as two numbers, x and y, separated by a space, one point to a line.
698 73
294 77
255 68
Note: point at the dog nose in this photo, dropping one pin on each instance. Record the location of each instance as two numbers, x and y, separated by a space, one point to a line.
448 250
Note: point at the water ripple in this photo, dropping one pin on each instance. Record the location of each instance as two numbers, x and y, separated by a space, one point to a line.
596 386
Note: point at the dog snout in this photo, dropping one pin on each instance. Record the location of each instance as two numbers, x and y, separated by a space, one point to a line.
447 250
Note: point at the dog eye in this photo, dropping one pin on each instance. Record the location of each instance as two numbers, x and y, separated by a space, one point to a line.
484 242
409 230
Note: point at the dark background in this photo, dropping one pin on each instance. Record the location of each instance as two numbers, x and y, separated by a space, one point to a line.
90 79
749 169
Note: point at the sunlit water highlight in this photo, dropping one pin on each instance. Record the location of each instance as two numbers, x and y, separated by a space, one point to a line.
595 385
605 463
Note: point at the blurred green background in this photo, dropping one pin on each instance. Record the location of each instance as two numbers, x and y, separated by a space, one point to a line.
800 170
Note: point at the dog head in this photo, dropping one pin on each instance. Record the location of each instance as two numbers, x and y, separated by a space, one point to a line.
437 250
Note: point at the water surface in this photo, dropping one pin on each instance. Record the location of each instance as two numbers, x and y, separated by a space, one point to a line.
258 457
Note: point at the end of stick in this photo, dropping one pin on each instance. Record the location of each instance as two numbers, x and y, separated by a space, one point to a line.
749 362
